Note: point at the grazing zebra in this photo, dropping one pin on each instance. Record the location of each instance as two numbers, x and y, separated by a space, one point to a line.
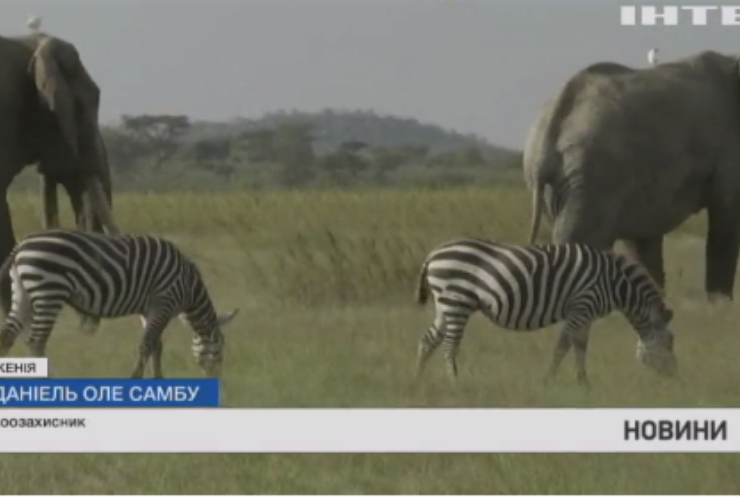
527 288
109 276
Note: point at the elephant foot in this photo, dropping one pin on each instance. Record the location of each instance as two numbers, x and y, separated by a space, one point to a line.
717 298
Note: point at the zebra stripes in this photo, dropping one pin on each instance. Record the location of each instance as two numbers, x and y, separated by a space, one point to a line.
110 276
527 288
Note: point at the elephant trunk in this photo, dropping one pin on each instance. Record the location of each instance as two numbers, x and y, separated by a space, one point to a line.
104 167
100 188
94 165
98 204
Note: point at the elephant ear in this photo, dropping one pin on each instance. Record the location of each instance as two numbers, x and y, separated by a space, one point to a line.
54 90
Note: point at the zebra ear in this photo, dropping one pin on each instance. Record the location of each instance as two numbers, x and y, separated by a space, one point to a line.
661 315
667 315
226 318
664 315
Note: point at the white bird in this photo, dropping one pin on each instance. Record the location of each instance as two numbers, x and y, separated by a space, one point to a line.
653 57
33 22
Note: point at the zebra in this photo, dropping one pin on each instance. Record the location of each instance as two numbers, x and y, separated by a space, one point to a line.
109 276
529 287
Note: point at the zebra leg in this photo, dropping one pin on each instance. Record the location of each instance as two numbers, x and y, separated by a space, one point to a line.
156 353
454 328
89 324
8 334
579 338
45 313
561 350
428 343
157 359
12 327
150 343
18 320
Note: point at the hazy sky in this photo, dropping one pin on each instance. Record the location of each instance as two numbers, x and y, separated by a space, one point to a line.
481 66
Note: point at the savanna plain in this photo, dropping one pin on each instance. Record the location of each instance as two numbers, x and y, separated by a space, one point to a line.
325 283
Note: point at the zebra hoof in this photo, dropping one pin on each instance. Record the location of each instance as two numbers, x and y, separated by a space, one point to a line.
548 379
89 326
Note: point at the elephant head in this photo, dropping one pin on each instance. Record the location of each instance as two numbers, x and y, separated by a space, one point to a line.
66 89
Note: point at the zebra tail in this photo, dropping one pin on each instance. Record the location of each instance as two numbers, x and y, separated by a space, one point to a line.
5 282
422 285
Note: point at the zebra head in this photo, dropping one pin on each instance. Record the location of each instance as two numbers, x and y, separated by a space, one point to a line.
641 300
655 347
209 349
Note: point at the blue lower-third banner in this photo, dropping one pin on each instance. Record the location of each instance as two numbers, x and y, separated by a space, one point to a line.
111 392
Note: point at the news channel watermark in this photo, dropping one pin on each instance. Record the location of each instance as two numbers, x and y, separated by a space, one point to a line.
679 15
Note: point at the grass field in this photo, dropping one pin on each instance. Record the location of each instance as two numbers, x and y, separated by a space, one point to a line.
325 282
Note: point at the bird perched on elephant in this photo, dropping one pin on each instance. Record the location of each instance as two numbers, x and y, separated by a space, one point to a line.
49 109
627 154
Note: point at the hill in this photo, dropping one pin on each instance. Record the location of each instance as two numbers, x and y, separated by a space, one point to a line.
331 128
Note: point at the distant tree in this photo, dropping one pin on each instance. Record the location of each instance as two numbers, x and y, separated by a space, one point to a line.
352 146
470 155
160 133
124 150
385 161
332 127
510 161
412 154
293 149
260 145
225 171
211 150
347 163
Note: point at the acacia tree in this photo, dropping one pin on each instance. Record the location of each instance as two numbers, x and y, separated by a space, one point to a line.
158 132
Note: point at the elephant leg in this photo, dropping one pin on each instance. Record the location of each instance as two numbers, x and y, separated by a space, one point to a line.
649 253
723 242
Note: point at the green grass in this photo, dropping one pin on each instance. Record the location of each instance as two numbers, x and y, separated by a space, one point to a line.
325 282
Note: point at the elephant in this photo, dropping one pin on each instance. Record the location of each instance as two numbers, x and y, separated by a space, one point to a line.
627 155
49 108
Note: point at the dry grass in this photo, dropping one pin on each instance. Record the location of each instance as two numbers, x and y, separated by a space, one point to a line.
325 282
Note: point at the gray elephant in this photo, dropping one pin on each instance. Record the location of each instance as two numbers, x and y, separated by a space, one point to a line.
627 154
49 110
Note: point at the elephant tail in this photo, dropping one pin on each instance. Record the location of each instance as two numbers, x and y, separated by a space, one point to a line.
537 194
546 162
